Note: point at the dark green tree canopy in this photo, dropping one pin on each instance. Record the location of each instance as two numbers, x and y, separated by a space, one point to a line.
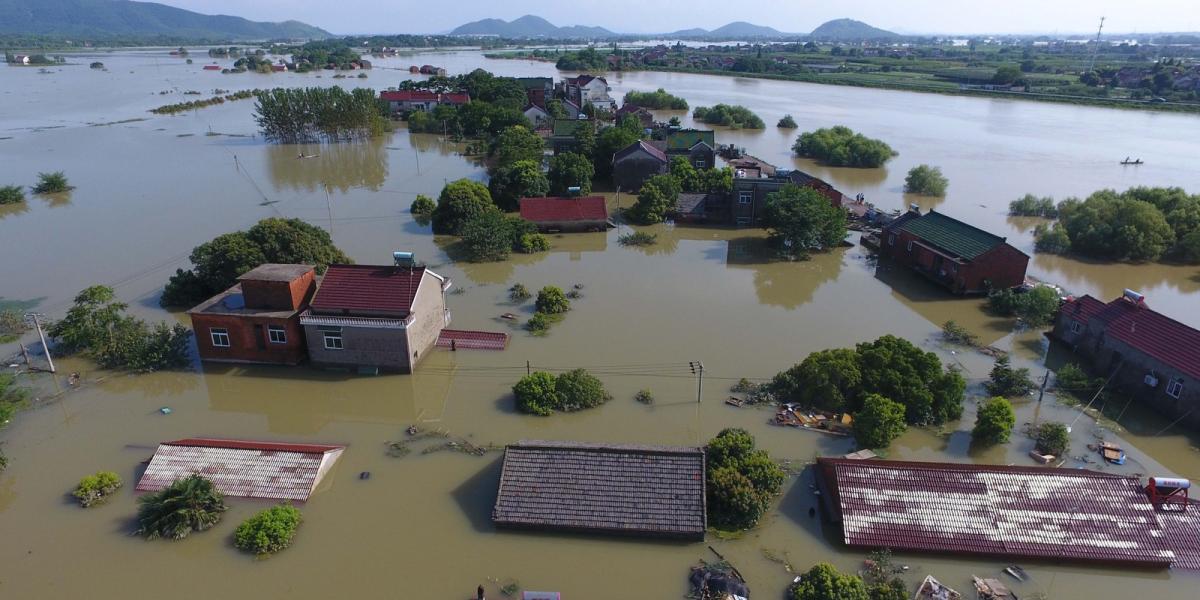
825 582
741 480
569 170
800 220
878 422
521 179
460 201
842 147
994 422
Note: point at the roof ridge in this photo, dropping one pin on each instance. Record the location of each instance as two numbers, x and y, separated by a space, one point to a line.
934 211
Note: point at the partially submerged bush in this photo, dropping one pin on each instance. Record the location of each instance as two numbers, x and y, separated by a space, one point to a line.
1032 206
268 531
787 122
519 293
423 206
97 488
842 147
551 300
955 333
638 238
644 396
994 422
52 183
1008 382
1053 439
11 194
530 243
879 422
926 181
1036 308
542 393
190 504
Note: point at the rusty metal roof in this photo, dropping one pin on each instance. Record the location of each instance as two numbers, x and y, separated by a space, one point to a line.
1067 514
642 490
247 469
472 340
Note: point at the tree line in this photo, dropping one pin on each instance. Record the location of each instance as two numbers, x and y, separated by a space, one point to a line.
307 115
1138 225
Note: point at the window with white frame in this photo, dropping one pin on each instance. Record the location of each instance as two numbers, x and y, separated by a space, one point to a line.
701 163
1175 387
745 197
333 340
1076 326
220 336
277 334
910 246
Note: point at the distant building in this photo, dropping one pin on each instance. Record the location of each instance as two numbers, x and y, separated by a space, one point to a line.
258 319
562 135
1148 354
962 258
645 118
375 318
20 59
537 89
755 179
589 89
636 163
244 469
589 213
698 146
651 491
401 101
536 115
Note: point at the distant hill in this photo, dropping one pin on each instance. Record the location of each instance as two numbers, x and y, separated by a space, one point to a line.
112 18
742 29
528 26
849 29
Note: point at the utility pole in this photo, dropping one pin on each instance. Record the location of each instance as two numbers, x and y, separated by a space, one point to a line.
1096 49
45 347
527 369
1042 392
698 369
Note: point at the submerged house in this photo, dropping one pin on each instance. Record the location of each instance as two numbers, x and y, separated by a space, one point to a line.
1146 353
553 214
562 134
373 318
655 491
754 179
636 163
402 101
962 258
698 146
258 319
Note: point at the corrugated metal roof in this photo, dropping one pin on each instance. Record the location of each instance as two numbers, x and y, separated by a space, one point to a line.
646 490
246 469
952 235
472 340
1069 514
684 139
588 208
373 289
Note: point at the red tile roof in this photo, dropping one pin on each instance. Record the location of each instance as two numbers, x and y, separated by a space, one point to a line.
371 289
540 210
246 469
472 340
1083 308
1033 512
1153 333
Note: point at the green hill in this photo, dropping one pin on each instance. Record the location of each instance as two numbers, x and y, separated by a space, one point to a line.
849 29
112 18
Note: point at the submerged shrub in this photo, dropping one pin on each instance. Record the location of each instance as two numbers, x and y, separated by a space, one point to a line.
269 531
97 488
190 504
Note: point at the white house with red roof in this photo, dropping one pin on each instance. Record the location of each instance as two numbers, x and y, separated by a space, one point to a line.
372 318
566 214
1146 353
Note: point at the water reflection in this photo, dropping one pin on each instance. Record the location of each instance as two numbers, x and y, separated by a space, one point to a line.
58 200
362 164
164 384
937 305
436 144
12 210
1110 279
927 203
484 273
787 284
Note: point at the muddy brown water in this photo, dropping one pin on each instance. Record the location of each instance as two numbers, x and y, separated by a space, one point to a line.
148 191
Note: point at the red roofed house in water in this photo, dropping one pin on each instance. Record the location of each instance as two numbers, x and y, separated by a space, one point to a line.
376 318
566 214
257 320
1154 357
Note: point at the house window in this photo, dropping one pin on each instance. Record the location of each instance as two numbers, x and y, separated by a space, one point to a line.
910 246
220 337
1076 326
277 334
1175 388
745 197
701 163
333 340
891 239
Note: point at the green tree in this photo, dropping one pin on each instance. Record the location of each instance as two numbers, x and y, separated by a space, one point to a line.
657 100
94 313
1053 438
423 206
1117 227
517 143
531 243
11 398
1037 307
189 504
569 170
94 489
878 422
658 198
1051 240
1188 248
800 219
268 531
741 480
787 122
926 181
828 380
1007 75
460 201
733 116
896 369
585 137
52 183
1032 206
610 141
551 301
578 389
536 394
994 421
487 237
825 582
882 579
842 147
521 179
1008 382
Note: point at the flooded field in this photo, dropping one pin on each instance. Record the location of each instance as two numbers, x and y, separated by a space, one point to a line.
149 190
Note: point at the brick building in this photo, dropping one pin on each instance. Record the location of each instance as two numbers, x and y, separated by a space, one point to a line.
962 258
256 320
636 163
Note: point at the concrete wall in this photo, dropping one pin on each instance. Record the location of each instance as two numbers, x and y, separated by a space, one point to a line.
244 340
429 310
385 349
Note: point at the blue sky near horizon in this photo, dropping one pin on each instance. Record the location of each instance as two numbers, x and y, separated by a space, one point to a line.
793 16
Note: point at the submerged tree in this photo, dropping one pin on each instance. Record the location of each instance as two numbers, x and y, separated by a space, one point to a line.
190 504
305 115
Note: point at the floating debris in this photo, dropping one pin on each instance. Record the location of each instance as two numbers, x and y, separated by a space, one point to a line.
712 581
932 589
1016 572
402 448
166 410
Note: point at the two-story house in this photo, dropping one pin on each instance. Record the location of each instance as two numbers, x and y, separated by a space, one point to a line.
258 319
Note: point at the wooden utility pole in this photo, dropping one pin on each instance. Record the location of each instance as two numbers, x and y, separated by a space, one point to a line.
42 336
698 369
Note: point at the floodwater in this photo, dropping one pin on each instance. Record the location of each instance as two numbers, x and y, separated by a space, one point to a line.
149 190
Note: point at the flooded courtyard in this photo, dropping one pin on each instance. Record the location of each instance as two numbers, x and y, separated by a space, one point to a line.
149 188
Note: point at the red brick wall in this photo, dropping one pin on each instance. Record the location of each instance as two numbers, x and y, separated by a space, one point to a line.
279 295
1003 265
244 343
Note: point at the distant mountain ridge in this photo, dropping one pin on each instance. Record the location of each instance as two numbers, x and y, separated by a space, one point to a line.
849 29
111 18
529 26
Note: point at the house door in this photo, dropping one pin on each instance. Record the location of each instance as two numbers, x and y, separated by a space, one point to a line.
259 337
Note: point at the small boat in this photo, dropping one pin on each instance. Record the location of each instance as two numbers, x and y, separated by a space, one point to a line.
1131 162
509 316
992 589
932 589
1112 453
734 401
1016 572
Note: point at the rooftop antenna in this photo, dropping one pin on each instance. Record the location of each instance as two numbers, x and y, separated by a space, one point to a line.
1096 48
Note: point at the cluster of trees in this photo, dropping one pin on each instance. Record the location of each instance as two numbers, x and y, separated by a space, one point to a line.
178 107
1036 308
787 122
1052 438
550 306
740 480
268 531
926 181
218 263
327 54
801 220
658 100
495 105
880 581
659 196
1032 206
1007 382
542 393
465 208
255 62
1074 384
736 117
841 147
587 59
1139 224
97 326
305 115
889 370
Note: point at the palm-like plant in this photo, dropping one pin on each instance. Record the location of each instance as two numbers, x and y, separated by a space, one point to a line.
190 504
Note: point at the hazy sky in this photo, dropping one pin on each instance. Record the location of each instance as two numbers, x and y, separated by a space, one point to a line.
637 16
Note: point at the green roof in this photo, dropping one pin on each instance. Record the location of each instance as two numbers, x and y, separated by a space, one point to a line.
684 139
533 83
567 127
952 235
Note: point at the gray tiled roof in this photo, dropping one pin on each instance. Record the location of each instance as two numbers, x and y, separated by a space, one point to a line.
643 490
